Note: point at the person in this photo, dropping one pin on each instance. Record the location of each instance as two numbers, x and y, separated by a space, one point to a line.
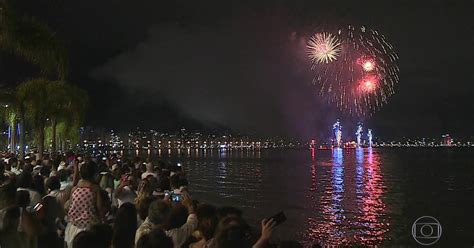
207 223
142 209
86 239
125 226
159 214
175 184
86 208
54 186
18 227
104 232
228 211
233 232
106 182
155 238
150 171
38 184
126 191
144 198
25 183
268 225
53 213
63 175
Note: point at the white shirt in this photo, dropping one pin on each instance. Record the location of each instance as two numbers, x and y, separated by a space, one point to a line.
181 234
126 195
146 174
178 235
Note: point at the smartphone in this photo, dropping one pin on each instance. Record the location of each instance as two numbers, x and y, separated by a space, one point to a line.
176 197
279 218
178 164
37 207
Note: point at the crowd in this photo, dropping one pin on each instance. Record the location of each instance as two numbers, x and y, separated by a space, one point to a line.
77 200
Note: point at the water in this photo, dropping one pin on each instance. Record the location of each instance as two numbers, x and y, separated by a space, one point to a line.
366 197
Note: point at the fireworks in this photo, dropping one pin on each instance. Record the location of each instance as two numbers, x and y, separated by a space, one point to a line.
323 48
355 68
368 84
367 63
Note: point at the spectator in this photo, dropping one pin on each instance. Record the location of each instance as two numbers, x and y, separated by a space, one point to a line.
126 191
87 206
125 226
159 215
150 171
86 239
155 238
54 186
25 183
38 184
18 227
207 223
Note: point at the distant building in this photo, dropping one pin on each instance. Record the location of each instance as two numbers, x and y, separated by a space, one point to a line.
447 141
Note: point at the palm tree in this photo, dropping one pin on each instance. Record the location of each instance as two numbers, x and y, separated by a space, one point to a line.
67 104
11 112
32 39
35 41
33 95
56 101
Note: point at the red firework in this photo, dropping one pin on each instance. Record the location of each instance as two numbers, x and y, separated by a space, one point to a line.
368 84
367 63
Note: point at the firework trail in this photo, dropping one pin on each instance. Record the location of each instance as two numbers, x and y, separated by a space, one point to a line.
355 68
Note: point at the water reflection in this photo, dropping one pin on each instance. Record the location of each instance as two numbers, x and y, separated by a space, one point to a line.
346 197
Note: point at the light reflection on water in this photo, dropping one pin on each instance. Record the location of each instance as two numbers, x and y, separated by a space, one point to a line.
367 197
346 199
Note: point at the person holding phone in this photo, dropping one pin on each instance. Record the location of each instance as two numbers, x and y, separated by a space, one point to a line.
268 225
159 214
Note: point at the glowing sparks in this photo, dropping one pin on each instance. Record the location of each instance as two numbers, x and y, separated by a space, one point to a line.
368 84
354 68
323 48
368 66
367 63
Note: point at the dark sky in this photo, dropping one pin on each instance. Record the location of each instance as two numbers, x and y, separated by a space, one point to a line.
242 64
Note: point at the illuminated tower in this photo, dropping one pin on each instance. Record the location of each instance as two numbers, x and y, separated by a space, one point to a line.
359 134
369 137
337 130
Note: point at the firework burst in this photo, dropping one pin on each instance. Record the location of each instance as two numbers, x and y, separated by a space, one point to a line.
355 68
323 48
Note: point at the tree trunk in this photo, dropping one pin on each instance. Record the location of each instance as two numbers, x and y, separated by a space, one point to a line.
13 136
40 142
22 136
53 127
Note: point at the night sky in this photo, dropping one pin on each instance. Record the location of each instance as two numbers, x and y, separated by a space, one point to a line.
241 65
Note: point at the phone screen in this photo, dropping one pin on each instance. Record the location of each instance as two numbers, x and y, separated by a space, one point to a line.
279 218
176 197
